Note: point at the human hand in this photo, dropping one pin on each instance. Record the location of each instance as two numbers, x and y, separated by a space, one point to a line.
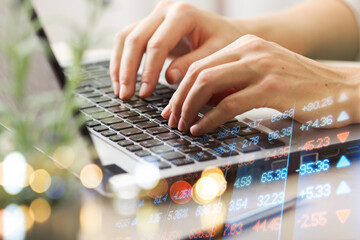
173 29
258 73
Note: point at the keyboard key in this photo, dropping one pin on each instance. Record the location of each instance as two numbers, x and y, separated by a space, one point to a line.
201 156
248 149
125 143
262 136
164 91
160 86
151 159
118 109
108 133
227 154
161 120
152 98
132 99
182 162
141 137
92 95
101 115
112 120
120 126
270 144
154 114
245 132
142 153
92 124
85 90
137 119
235 124
161 149
145 109
172 156
116 138
146 125
108 104
92 110
100 99
100 128
157 130
189 148
139 103
167 136
133 148
160 104
178 142
167 95
128 114
151 143
86 104
161 165
130 131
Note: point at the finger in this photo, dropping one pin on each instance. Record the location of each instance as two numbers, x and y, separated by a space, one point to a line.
178 68
165 38
209 82
116 56
179 96
227 109
133 49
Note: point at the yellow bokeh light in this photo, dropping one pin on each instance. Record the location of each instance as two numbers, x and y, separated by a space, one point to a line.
40 210
65 157
90 218
211 170
206 189
28 219
221 182
1 173
40 181
91 176
29 172
1 223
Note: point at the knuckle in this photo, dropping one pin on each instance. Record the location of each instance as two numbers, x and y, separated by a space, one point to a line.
162 4
203 78
183 8
154 44
132 40
263 62
270 84
125 77
194 68
255 43
228 105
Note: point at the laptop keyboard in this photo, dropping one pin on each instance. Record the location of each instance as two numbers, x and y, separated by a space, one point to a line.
136 125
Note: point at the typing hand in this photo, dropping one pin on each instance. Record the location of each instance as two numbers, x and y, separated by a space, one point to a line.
177 30
256 73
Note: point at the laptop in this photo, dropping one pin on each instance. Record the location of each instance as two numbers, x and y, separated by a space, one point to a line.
128 134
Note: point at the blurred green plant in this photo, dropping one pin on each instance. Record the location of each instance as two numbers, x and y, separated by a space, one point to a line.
43 120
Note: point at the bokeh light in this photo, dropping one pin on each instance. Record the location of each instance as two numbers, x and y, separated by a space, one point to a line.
57 188
14 226
206 189
40 181
181 192
147 176
29 172
148 220
65 157
28 219
14 173
91 176
90 217
1 223
160 190
40 210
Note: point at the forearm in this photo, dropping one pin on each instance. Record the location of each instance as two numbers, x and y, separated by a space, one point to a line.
316 28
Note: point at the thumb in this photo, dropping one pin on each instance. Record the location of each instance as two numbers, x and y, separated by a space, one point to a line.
178 68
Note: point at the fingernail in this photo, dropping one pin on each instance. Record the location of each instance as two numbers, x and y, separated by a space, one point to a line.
182 125
116 88
195 129
143 89
123 91
175 75
165 113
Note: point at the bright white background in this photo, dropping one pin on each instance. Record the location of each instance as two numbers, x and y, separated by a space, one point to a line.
59 16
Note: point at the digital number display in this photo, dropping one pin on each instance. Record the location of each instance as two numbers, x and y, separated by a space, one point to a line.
314 167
